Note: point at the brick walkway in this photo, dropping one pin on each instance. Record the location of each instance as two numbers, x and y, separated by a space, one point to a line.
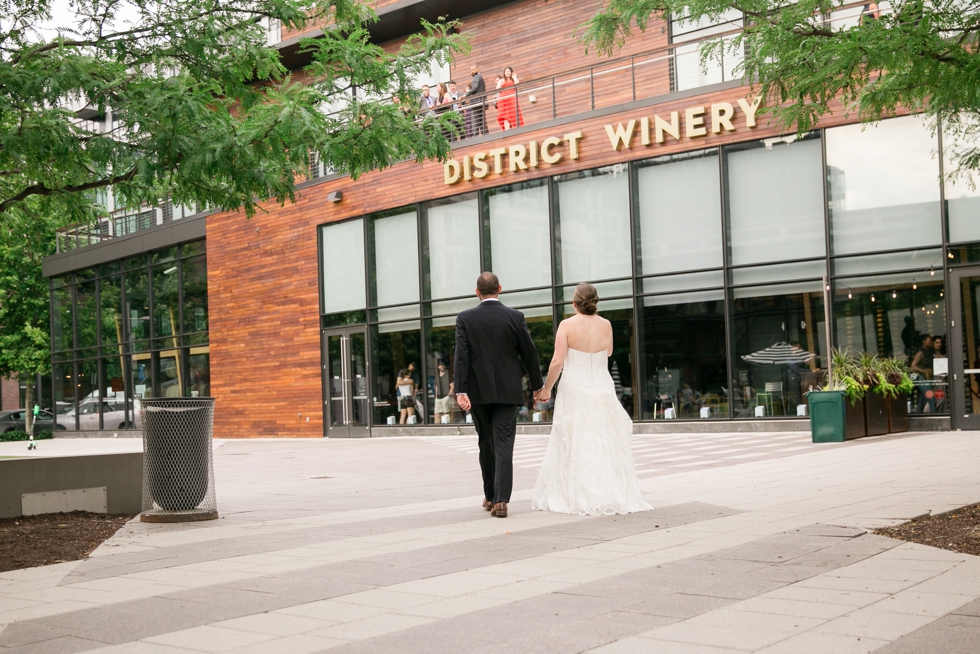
758 542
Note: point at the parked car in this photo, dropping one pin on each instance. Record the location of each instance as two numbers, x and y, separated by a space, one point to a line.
113 415
16 420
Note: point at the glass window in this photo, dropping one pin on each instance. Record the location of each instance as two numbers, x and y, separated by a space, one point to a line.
138 305
682 356
690 281
687 67
888 262
87 394
394 241
440 366
517 238
168 374
166 304
62 337
193 249
779 273
778 338
396 354
142 378
592 213
962 195
198 381
86 315
195 293
620 314
679 213
541 322
342 248
775 200
110 303
113 395
62 378
894 316
161 256
452 254
883 183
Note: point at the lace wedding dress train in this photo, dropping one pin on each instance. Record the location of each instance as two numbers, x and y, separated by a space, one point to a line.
588 468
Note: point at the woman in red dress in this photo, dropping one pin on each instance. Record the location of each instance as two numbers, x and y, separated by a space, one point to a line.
508 111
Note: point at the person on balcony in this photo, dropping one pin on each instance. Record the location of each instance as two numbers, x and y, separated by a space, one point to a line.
508 110
476 119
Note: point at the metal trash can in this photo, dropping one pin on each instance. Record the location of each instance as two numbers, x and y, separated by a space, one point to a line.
178 470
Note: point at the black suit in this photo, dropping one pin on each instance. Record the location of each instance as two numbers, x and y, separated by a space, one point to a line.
476 118
491 342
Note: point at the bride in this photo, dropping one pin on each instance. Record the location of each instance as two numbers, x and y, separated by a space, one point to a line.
588 468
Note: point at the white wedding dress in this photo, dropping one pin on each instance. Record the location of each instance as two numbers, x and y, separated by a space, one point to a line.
588 468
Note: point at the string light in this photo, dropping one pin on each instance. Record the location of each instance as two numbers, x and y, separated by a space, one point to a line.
872 297
932 272
849 296
894 294
914 286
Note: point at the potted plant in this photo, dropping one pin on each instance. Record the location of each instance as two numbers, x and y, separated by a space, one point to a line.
895 383
876 400
837 412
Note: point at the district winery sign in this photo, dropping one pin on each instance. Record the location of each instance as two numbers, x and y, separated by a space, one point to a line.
697 121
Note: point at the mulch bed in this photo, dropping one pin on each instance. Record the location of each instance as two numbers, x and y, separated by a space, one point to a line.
30 541
958 531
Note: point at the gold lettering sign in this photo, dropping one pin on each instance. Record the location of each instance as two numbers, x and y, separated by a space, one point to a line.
691 123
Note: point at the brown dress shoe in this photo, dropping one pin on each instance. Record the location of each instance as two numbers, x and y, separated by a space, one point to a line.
487 505
499 510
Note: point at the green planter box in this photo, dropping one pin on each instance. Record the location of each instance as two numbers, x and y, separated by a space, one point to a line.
833 419
826 416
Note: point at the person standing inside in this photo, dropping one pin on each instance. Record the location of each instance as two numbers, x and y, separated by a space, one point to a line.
922 365
406 395
491 342
508 111
476 117
444 393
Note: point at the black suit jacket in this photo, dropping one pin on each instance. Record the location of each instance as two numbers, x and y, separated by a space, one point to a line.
491 342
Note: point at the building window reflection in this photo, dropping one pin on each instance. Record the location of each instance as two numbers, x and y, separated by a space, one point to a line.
883 186
140 354
396 356
902 316
592 218
778 353
682 355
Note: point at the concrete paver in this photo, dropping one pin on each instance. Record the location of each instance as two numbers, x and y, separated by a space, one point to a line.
758 543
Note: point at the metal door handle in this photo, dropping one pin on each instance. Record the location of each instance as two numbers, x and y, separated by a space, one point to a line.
345 378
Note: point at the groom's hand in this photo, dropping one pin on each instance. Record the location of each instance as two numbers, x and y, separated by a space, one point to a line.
463 401
542 395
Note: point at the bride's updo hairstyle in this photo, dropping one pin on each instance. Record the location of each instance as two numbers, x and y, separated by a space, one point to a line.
586 298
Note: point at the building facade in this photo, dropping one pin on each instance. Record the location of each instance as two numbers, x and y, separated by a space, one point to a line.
712 236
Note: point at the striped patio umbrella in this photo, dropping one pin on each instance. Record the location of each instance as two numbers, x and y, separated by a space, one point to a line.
780 353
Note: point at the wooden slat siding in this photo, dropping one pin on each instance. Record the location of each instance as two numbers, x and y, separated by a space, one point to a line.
262 286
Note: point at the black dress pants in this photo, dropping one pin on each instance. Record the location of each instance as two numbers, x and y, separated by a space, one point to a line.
496 426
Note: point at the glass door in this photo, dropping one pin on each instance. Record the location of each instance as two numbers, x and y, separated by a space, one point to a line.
964 352
345 386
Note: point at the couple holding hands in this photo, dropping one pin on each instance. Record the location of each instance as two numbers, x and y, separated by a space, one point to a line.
588 468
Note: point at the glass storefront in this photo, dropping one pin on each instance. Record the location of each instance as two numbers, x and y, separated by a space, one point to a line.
128 330
707 262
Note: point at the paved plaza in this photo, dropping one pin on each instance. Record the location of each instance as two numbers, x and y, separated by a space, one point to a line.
759 542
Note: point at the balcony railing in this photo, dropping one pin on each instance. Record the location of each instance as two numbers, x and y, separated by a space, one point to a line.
119 223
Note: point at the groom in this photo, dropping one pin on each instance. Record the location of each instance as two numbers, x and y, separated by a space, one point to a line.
491 341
